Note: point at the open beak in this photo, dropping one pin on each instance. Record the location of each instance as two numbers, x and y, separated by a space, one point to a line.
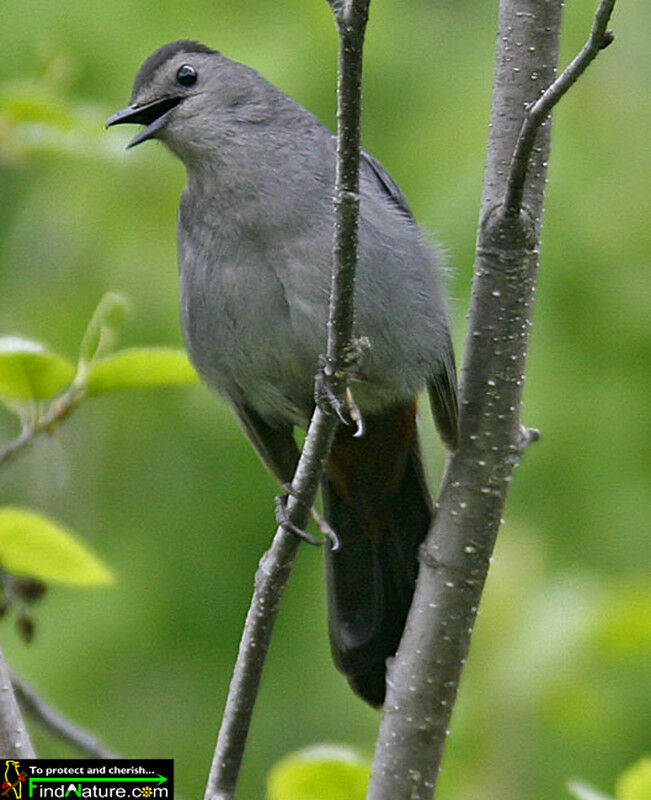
154 115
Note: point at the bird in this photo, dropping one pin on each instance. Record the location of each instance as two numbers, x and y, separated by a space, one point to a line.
255 229
12 784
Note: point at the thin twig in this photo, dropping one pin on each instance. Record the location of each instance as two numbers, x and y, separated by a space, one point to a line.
599 39
57 724
275 566
57 411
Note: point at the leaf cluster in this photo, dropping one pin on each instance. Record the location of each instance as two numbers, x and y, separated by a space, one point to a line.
42 388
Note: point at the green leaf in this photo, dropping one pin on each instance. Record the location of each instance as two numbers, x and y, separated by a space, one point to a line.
30 372
325 772
582 791
102 328
635 782
31 544
140 367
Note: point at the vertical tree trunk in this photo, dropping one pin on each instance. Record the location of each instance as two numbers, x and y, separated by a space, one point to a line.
424 675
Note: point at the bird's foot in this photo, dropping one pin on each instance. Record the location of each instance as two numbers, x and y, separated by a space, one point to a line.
329 534
286 524
328 383
325 389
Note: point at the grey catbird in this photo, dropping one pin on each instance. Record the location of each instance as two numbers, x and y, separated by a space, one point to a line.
255 232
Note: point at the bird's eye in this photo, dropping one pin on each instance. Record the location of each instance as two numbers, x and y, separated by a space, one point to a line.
186 75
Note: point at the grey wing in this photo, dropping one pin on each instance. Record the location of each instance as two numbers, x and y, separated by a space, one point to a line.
388 185
443 385
275 445
443 397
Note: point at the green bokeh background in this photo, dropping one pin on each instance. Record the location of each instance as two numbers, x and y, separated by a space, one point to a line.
163 485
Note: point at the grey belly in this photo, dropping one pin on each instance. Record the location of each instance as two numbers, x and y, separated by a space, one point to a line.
242 338
254 328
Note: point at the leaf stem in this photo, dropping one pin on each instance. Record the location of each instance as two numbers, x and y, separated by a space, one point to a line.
57 411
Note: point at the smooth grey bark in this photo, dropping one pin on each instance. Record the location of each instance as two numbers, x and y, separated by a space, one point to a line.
273 573
14 738
424 676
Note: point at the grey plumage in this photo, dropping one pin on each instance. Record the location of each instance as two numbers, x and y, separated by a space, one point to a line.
255 239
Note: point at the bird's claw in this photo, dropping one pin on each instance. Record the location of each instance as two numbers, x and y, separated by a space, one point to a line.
326 397
329 534
324 394
355 414
286 524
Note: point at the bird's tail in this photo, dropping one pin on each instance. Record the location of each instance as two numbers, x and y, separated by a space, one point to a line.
375 498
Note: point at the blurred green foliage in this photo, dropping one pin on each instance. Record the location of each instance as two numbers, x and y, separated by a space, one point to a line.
633 784
171 496
29 373
323 772
32 545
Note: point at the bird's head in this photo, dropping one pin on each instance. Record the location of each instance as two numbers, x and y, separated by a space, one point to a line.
192 98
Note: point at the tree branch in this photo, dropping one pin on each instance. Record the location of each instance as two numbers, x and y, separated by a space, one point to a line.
423 679
56 412
57 724
14 738
599 39
276 564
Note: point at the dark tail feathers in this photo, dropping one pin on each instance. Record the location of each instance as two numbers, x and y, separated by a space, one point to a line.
381 524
